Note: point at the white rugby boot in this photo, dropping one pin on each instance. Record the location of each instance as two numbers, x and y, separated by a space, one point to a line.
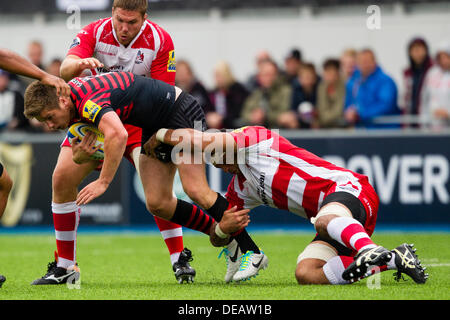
232 255
250 265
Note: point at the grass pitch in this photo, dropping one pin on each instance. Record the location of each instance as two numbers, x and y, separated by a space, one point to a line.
137 267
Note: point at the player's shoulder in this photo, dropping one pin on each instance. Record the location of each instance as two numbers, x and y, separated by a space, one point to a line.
155 36
81 88
98 31
156 26
95 25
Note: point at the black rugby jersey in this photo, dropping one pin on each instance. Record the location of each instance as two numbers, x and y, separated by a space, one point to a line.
139 101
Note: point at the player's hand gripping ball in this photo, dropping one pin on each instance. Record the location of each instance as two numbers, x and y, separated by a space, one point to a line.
80 129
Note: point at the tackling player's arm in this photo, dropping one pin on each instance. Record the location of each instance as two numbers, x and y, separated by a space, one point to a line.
191 139
12 62
80 55
5 188
116 137
73 66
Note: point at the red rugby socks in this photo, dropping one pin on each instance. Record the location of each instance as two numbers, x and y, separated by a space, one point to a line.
66 217
173 237
350 233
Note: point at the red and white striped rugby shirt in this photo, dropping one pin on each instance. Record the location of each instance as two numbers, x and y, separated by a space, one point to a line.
281 175
151 53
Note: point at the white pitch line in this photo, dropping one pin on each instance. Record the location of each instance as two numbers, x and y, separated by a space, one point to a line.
437 265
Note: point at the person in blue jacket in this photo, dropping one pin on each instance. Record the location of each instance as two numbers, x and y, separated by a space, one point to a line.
370 93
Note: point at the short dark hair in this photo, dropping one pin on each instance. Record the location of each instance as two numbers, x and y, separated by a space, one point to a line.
132 5
295 54
39 96
331 63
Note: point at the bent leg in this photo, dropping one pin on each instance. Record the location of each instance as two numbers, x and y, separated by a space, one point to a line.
311 261
342 219
172 233
195 184
157 180
67 176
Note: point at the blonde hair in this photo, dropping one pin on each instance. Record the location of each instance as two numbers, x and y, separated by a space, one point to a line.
349 52
224 69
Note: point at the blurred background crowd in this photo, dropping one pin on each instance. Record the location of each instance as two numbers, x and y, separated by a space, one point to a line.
348 90
351 89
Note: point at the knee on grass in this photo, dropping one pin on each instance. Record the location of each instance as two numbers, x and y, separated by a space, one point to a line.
309 274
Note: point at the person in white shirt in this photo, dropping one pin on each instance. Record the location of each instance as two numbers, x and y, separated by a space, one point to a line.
436 91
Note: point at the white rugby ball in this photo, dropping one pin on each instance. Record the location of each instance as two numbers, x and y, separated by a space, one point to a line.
80 129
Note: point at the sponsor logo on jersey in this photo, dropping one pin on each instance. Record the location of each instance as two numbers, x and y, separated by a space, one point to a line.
116 68
106 53
76 82
91 110
139 57
261 189
171 64
103 70
111 69
348 187
76 42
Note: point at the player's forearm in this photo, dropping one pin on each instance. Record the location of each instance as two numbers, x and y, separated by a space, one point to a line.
12 62
114 149
174 137
184 138
70 68
194 140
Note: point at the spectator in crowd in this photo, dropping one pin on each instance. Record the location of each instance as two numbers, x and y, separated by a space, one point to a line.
292 64
36 53
330 96
370 93
267 103
436 90
227 99
11 106
261 57
54 67
303 101
414 75
348 63
186 80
